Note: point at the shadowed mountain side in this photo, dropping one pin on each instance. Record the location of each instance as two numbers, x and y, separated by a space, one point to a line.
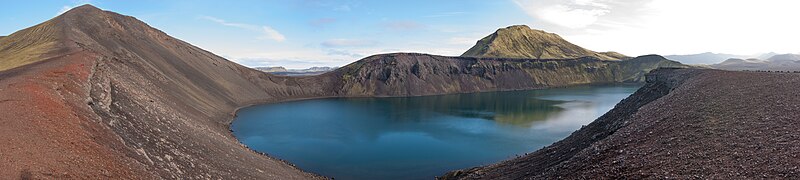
410 74
521 41
93 94
681 124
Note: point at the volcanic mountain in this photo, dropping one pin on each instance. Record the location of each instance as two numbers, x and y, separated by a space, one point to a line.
93 94
520 41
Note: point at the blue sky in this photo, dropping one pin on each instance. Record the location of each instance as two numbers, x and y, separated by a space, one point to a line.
304 33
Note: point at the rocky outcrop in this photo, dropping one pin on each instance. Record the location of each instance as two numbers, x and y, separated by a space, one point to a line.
684 123
521 41
410 74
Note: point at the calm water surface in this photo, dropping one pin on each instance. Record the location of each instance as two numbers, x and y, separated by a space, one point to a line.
419 137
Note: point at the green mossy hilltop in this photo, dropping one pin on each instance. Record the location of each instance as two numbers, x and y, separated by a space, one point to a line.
29 45
520 41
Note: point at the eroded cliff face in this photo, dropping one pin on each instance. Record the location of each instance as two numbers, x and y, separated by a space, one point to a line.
410 74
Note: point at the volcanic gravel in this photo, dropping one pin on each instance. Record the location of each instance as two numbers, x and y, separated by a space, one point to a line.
683 124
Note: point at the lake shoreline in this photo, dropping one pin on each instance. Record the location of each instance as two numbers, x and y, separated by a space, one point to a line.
437 100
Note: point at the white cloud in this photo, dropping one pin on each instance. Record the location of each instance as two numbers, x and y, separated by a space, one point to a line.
571 13
403 25
462 41
66 8
446 14
348 43
267 33
637 27
345 8
272 34
344 53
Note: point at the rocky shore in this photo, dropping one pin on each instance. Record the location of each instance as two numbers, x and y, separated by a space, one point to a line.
683 124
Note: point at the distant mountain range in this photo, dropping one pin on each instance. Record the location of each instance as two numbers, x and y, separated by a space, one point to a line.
279 70
780 62
704 58
709 58
521 41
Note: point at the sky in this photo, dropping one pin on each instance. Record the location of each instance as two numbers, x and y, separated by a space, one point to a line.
306 33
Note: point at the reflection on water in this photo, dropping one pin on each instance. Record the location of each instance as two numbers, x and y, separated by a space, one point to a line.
419 137
519 108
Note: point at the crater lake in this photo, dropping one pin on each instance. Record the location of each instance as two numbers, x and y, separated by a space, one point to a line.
419 137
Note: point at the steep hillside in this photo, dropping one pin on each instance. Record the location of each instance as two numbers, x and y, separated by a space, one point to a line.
105 96
683 124
411 74
521 41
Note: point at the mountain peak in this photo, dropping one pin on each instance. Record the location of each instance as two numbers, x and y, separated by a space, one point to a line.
520 26
84 10
521 41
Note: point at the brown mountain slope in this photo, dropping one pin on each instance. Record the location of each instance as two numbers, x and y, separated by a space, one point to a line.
520 41
93 94
119 99
683 124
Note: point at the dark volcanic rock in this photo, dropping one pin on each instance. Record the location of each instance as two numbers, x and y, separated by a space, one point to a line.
683 124
410 74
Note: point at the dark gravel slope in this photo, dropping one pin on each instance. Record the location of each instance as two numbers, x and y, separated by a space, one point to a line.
682 124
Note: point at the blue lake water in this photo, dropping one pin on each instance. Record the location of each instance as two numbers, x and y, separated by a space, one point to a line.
419 137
